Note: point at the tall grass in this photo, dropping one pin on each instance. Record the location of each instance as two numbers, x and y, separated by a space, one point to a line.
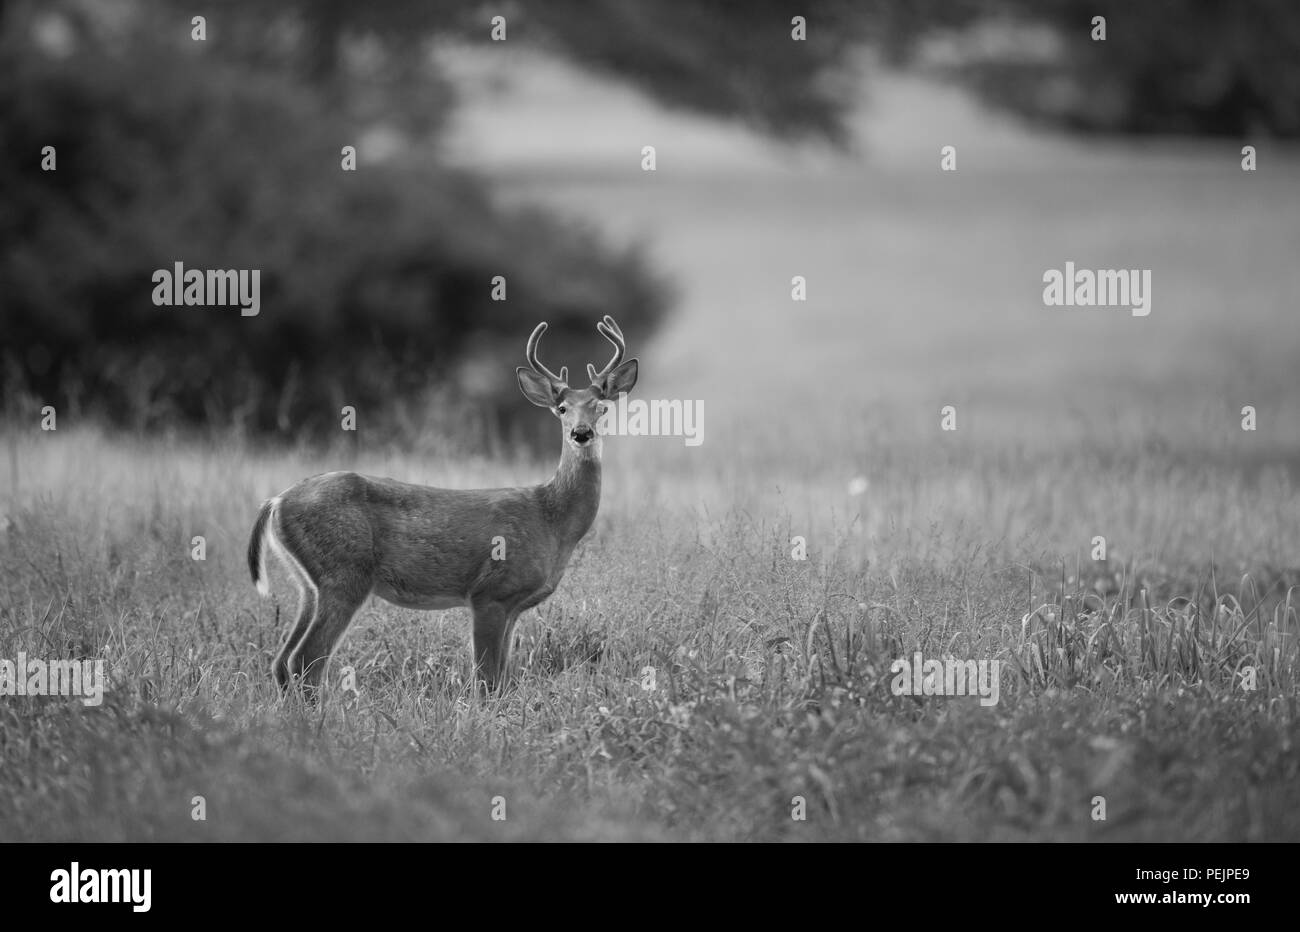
771 675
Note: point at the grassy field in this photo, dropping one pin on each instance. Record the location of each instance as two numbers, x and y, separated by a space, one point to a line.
1121 679
771 674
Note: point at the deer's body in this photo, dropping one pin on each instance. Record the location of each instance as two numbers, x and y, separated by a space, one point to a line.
344 537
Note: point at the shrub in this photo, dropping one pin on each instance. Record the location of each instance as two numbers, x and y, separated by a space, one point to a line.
375 284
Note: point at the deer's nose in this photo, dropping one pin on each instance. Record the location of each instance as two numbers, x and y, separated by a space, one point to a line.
582 434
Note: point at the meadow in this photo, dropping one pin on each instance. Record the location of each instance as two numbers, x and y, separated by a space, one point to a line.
690 678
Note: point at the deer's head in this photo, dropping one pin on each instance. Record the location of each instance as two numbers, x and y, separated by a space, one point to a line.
578 408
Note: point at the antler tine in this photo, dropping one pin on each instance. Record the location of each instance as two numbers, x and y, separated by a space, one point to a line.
531 354
610 331
612 325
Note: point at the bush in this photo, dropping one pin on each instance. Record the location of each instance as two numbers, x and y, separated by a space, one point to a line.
375 284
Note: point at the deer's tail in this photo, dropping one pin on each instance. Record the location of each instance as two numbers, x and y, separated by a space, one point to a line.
257 547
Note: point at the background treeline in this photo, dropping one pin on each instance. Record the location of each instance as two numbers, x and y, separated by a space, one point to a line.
1197 67
376 284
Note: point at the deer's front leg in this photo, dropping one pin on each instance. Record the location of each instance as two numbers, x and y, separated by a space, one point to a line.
491 624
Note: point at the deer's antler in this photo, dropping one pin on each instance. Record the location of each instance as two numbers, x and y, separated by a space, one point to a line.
531 355
609 330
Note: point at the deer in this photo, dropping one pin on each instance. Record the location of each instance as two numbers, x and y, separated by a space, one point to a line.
343 536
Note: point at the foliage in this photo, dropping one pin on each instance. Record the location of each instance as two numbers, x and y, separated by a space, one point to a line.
1216 67
374 283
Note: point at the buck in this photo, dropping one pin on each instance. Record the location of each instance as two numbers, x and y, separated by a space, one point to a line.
344 536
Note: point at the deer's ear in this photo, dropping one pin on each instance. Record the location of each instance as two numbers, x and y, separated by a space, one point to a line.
536 387
620 380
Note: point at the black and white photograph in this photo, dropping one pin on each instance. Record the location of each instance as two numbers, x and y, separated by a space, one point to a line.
629 421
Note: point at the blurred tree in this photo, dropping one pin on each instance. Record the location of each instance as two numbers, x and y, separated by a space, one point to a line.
1189 66
224 154
724 58
374 284
1205 67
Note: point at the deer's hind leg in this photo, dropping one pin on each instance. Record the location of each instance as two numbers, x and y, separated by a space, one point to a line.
337 601
306 614
307 601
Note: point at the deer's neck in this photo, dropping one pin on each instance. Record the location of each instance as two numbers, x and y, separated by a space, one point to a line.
573 494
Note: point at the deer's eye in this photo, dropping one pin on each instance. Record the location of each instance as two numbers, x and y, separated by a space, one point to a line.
562 408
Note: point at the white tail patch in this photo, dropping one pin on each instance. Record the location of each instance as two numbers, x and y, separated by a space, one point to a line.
301 578
268 533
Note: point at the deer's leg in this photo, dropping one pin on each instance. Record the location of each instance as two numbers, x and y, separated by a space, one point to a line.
508 640
489 626
336 604
306 614
493 622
